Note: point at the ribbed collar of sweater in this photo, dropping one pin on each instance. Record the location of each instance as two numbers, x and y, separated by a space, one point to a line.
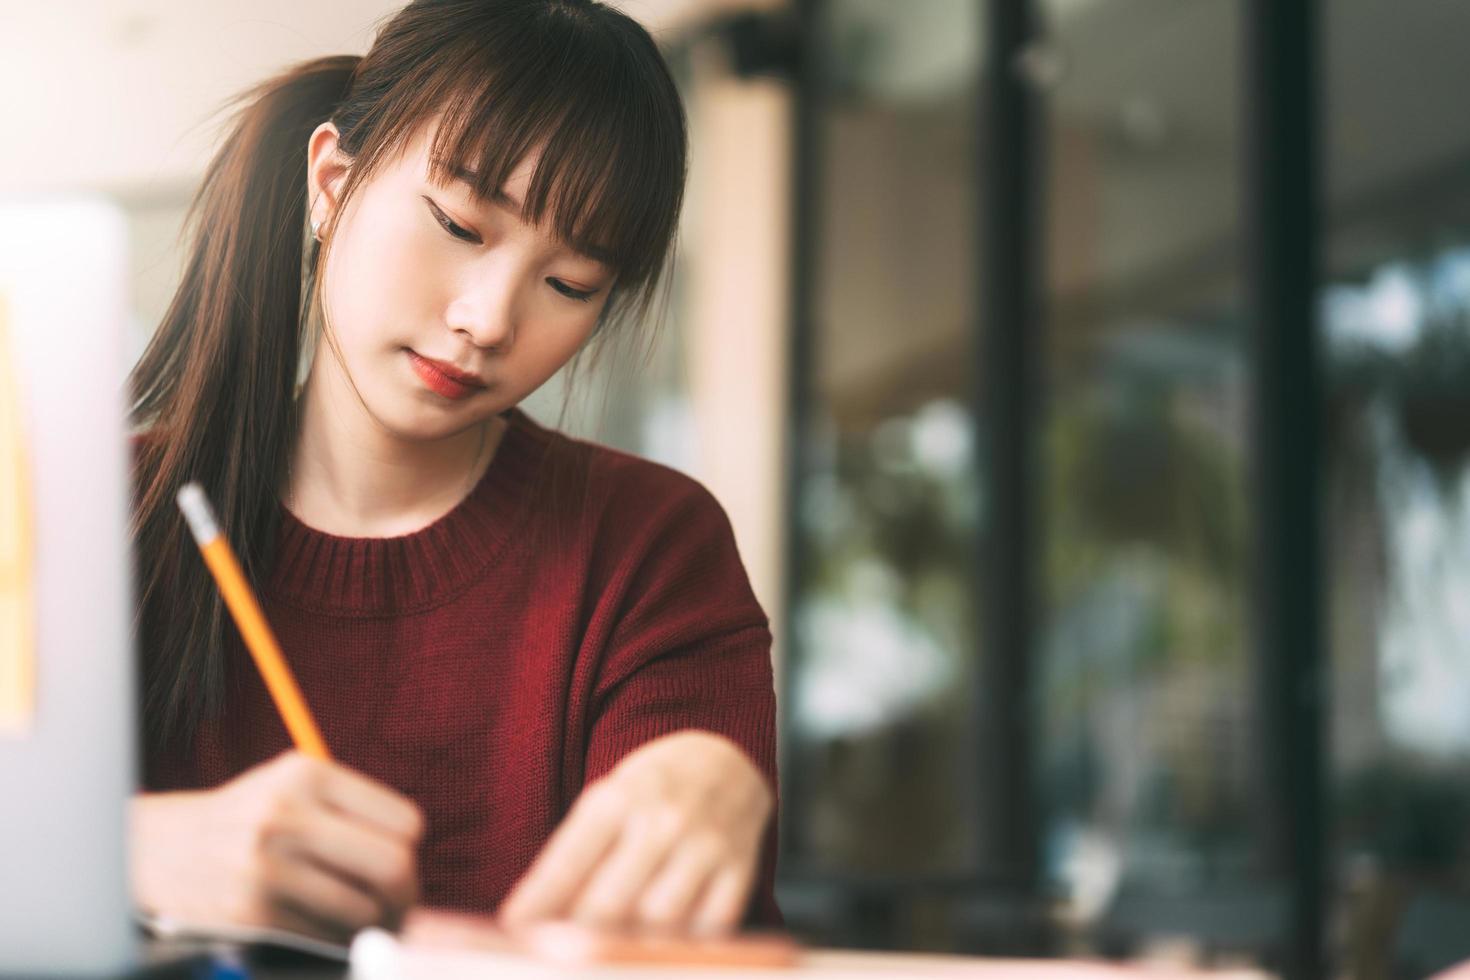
390 576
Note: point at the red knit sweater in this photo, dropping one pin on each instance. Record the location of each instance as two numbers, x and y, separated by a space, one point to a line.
492 664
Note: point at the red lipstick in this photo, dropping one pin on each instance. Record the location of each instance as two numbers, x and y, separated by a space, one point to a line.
444 379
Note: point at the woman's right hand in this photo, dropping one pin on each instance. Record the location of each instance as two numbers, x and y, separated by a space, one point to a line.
295 843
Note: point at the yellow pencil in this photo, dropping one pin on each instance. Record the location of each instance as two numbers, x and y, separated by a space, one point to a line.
257 633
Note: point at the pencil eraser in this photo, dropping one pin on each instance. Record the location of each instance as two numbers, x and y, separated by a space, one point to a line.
197 512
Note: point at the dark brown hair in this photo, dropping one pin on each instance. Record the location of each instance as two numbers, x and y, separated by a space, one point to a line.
215 389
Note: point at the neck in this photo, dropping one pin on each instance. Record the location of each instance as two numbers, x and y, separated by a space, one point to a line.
352 478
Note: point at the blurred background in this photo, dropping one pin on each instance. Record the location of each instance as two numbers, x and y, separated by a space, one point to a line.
961 336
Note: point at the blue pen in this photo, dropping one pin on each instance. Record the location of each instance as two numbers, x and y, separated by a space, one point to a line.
225 963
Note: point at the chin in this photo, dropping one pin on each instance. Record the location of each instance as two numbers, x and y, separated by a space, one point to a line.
433 425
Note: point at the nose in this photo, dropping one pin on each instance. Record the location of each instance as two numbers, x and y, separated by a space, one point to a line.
485 313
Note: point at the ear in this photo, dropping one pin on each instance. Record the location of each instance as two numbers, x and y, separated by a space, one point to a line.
326 169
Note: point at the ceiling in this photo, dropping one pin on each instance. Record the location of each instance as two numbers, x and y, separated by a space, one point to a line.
116 95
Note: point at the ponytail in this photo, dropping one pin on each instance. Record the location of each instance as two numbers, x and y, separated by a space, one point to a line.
214 392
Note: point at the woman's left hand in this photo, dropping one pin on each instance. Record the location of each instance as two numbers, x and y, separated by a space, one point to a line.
668 840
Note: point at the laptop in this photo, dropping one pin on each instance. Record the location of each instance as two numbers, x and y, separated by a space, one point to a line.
68 760
68 754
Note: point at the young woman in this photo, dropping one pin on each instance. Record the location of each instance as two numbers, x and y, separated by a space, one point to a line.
538 662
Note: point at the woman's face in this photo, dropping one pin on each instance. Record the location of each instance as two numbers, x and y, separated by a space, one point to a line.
445 310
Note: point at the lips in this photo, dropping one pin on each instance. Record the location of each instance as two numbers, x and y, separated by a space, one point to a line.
444 379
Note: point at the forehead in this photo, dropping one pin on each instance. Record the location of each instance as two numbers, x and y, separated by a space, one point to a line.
510 197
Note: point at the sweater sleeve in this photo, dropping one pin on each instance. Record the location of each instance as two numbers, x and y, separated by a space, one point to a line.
690 648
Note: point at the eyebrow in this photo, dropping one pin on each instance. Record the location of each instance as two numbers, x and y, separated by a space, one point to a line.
504 200
470 177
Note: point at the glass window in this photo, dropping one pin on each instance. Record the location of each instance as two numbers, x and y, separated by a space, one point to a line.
879 716
1144 699
1395 312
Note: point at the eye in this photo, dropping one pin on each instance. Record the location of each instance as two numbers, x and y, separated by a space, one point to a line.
570 293
463 234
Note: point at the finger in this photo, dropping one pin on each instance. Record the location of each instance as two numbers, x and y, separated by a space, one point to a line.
723 905
306 888
610 893
364 798
381 863
567 859
669 900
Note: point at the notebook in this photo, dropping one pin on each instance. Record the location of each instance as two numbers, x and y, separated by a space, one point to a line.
171 929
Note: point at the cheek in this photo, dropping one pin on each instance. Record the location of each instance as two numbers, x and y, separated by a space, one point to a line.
380 275
540 352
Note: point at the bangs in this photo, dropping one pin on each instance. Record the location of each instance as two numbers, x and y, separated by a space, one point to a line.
611 171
